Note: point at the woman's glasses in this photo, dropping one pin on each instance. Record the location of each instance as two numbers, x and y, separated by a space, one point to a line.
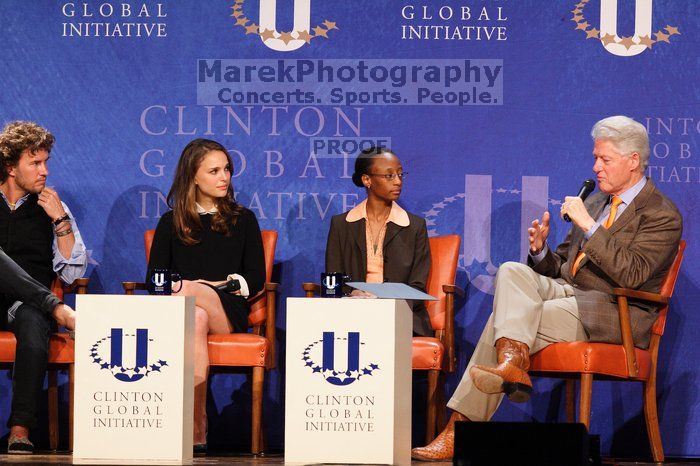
390 176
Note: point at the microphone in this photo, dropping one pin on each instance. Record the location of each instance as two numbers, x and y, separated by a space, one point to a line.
586 189
229 286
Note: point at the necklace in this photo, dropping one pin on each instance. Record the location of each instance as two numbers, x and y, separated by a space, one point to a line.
375 238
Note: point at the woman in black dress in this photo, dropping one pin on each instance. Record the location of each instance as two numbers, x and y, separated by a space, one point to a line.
208 239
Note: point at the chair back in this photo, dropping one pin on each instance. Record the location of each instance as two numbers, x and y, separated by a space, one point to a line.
148 242
667 288
444 256
258 302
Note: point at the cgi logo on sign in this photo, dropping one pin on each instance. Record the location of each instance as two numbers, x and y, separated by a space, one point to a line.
159 279
285 41
487 240
327 369
115 362
607 34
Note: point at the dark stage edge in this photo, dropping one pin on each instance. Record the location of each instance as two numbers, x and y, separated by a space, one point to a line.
54 459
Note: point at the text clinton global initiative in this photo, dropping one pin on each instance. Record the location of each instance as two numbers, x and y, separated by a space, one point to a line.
128 410
339 413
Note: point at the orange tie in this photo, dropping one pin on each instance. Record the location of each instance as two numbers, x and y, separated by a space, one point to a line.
614 204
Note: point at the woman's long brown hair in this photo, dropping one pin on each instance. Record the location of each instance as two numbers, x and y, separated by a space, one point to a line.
183 194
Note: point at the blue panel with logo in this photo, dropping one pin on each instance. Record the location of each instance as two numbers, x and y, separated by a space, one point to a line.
489 105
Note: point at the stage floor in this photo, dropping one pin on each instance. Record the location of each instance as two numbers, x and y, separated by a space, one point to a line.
54 459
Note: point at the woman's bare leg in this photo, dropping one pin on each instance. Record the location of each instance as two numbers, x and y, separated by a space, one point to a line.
207 299
209 318
201 374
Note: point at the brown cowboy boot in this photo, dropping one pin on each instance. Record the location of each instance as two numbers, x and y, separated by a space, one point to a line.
510 376
443 447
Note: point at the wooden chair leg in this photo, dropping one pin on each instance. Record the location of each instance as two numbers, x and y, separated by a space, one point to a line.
570 403
262 441
585 399
53 408
652 421
431 405
71 400
256 427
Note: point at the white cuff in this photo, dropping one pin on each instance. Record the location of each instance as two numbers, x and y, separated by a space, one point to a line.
245 292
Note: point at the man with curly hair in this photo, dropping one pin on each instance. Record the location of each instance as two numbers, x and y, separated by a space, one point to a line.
38 232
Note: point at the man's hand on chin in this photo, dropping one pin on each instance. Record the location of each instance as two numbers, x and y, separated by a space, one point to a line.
51 203
573 206
65 316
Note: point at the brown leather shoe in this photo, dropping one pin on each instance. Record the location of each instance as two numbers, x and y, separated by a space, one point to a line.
510 376
443 447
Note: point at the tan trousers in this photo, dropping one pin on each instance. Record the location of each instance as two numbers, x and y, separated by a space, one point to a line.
527 307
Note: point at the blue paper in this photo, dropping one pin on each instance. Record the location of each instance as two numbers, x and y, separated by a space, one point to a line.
390 290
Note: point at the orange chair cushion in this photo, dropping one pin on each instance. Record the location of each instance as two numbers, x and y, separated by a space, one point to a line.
597 358
237 349
7 347
61 348
428 353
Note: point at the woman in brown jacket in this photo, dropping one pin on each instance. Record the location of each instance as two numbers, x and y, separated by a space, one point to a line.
378 241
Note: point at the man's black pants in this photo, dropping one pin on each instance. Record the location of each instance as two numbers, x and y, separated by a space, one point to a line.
32 327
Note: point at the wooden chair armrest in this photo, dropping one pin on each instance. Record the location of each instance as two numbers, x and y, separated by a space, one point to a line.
627 340
272 286
130 287
643 295
79 286
267 287
311 289
448 336
270 324
453 289
622 295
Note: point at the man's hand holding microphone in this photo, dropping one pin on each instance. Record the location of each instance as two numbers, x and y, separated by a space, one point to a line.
572 210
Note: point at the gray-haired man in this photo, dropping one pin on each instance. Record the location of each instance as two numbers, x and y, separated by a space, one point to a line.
624 236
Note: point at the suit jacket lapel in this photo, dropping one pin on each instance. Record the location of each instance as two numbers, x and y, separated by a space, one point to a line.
358 232
392 230
596 209
358 260
631 211
624 218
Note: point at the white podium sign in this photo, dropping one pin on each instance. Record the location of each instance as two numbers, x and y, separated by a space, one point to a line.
348 381
134 379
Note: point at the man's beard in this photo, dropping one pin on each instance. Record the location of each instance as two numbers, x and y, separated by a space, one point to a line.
32 188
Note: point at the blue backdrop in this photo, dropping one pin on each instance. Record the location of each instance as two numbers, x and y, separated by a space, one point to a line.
488 103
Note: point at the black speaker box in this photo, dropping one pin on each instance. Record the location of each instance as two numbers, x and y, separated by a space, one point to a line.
524 443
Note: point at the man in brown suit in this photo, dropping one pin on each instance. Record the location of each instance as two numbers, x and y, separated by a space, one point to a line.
624 236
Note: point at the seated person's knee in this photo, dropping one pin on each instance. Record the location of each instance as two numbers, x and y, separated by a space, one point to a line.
201 319
510 267
184 288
